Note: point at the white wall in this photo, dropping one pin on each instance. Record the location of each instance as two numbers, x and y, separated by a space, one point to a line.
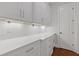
55 17
77 26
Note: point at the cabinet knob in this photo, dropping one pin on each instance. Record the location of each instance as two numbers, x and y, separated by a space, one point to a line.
72 20
72 32
72 8
60 32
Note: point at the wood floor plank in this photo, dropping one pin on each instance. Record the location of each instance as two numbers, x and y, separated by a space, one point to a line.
63 52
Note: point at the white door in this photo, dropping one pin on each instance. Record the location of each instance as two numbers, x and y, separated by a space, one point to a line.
66 26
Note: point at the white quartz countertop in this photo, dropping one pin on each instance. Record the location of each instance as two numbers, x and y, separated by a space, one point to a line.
10 44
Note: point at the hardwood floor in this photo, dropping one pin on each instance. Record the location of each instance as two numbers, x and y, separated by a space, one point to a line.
63 52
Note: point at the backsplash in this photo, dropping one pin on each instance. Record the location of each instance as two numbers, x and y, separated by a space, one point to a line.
12 30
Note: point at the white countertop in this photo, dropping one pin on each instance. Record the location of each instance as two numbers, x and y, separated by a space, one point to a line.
10 44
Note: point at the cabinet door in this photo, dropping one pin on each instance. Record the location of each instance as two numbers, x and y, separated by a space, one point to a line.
25 11
49 46
46 17
37 9
46 46
8 10
32 49
41 13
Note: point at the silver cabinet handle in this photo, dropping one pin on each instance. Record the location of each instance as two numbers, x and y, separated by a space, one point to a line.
23 13
30 49
20 13
72 8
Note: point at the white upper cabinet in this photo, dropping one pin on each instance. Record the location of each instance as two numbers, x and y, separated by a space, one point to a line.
25 11
46 17
16 10
37 9
41 13
8 10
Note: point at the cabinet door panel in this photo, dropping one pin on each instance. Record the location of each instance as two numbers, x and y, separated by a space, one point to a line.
25 9
32 49
8 10
47 46
37 9
43 48
41 13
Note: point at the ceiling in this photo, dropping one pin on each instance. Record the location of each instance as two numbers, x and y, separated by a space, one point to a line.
56 3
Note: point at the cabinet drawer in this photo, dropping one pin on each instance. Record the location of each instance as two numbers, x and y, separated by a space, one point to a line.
27 50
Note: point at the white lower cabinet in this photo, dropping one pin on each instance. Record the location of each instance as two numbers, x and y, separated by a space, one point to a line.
32 49
37 48
47 45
